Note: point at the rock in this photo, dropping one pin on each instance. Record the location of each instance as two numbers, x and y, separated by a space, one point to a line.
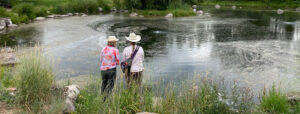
241 7
40 18
84 15
199 12
217 6
64 15
141 16
57 17
169 15
194 6
233 7
126 11
76 13
100 9
293 97
70 14
71 92
194 10
280 11
8 57
2 24
133 14
50 16
12 25
8 21
48 12
298 9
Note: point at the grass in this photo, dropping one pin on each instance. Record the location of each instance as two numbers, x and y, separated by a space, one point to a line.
274 102
34 81
176 13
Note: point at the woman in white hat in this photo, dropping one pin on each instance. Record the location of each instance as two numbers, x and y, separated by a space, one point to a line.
134 73
109 58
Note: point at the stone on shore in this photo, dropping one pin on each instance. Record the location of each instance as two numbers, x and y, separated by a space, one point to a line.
194 10
40 18
194 6
2 24
217 6
133 14
84 15
100 9
71 92
8 57
70 14
200 12
298 9
233 7
280 11
50 16
169 15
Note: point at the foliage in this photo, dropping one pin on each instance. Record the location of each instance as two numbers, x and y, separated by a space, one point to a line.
34 81
25 9
176 13
274 102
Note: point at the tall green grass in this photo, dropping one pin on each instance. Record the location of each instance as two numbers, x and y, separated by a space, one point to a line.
34 81
274 101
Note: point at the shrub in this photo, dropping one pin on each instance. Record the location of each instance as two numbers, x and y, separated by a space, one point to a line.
25 9
3 12
40 11
35 78
274 102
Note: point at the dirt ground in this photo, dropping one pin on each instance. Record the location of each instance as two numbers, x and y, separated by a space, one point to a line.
6 109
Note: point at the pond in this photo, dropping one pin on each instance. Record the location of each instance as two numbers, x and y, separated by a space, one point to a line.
254 48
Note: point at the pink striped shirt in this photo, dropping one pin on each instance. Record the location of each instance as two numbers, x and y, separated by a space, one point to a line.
109 58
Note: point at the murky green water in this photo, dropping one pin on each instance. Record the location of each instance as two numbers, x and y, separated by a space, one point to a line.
255 48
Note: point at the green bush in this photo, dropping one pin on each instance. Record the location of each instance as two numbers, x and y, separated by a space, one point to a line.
25 9
3 12
34 81
40 11
274 102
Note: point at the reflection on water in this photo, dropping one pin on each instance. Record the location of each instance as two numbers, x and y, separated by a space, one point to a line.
253 48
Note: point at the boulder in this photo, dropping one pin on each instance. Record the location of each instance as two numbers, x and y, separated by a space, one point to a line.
8 57
233 7
100 9
194 10
2 24
70 14
57 17
12 25
71 92
194 6
280 11
141 15
217 6
199 12
169 15
40 18
76 13
133 14
84 15
298 9
50 16
8 21
64 15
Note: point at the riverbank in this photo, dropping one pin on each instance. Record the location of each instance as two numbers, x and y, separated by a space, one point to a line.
255 4
201 95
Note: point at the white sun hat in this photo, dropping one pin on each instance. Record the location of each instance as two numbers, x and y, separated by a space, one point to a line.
112 39
133 37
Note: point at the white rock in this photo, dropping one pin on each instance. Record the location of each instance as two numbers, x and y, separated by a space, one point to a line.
72 91
12 25
298 9
64 15
2 24
217 6
141 16
2 28
169 15
70 14
199 12
76 13
48 12
84 15
100 9
241 7
194 10
8 21
133 14
194 6
50 16
69 106
40 18
280 11
233 7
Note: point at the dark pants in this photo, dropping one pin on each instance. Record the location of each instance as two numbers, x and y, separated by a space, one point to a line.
108 80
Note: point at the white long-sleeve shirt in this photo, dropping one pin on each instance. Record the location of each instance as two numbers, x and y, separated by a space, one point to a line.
137 62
